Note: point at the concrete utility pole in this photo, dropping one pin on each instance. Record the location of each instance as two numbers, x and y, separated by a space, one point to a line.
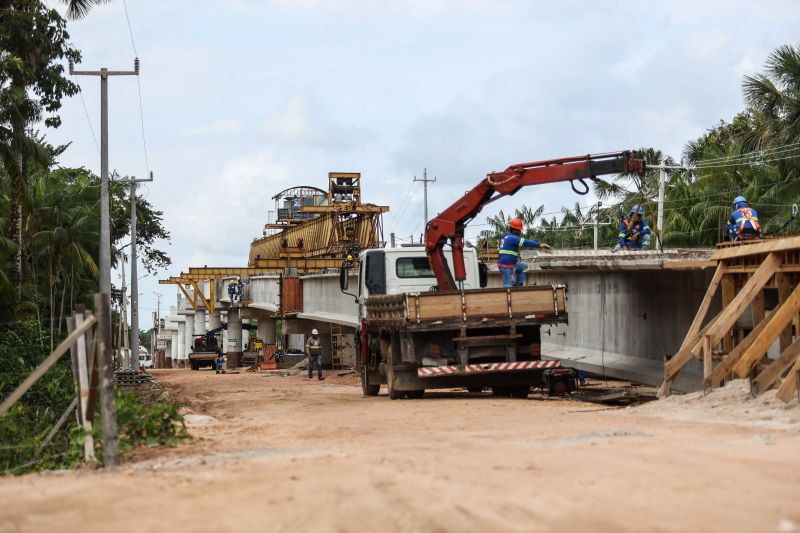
597 224
134 277
105 220
425 182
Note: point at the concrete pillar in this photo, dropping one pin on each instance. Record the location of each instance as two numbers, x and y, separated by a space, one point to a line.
173 350
266 330
214 320
234 338
189 335
199 321
181 344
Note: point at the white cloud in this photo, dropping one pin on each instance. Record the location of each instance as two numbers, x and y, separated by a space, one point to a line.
218 126
299 119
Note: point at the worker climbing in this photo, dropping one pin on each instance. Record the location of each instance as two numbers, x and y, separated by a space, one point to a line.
634 233
743 221
508 261
232 290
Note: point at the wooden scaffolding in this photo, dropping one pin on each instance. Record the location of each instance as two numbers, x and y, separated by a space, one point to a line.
762 276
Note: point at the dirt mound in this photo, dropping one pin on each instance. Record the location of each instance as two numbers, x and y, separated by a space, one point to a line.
728 404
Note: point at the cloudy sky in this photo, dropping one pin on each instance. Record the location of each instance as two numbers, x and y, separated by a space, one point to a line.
243 98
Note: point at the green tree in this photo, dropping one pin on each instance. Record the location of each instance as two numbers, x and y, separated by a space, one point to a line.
34 41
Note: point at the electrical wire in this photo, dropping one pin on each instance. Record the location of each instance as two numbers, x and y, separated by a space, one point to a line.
86 113
138 86
755 153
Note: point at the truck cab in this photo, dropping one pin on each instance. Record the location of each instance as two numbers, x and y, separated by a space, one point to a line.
406 269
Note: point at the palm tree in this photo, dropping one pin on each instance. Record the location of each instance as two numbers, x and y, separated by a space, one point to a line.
77 9
773 97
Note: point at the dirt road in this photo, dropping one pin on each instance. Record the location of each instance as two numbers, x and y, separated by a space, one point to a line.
285 454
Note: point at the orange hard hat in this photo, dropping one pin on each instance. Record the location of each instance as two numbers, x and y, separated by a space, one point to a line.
515 224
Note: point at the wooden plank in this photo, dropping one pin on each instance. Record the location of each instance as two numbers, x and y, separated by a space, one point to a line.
725 366
775 370
702 311
784 290
51 359
728 294
782 316
787 389
707 356
730 314
763 247
685 355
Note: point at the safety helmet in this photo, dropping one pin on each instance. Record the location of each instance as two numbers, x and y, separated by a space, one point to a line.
739 200
637 209
515 224
349 257
314 332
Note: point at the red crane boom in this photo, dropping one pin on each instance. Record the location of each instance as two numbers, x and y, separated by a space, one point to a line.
450 223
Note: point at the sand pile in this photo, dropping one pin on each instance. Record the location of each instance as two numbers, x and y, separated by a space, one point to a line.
729 404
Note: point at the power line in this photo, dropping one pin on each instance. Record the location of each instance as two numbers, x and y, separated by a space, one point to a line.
86 113
749 154
138 85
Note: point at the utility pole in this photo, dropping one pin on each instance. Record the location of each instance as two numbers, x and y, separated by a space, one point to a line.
105 220
122 333
425 182
597 224
134 277
662 183
156 323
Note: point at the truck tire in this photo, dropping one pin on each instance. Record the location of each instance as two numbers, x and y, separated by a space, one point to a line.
475 390
415 394
520 392
394 394
194 365
366 387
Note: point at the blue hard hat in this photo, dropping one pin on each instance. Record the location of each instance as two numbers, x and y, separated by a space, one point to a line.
637 209
739 200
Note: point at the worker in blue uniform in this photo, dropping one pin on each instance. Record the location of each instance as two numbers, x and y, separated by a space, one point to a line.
508 261
634 233
743 221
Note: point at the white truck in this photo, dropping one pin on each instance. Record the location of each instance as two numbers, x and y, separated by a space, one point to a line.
413 338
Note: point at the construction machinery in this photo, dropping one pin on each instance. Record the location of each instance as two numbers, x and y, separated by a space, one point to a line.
421 327
310 223
206 347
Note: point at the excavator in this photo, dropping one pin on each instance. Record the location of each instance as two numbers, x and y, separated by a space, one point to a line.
449 225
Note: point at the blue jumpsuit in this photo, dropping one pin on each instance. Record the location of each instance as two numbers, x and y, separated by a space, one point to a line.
627 228
744 221
508 261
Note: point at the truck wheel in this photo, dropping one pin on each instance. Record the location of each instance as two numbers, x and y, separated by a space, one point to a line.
520 392
415 394
474 390
366 388
194 366
394 394
501 391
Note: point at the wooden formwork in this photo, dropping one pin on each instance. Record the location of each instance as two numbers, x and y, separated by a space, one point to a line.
746 271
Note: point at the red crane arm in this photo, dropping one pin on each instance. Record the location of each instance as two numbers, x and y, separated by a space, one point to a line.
449 225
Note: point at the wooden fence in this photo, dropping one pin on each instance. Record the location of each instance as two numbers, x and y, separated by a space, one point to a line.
89 345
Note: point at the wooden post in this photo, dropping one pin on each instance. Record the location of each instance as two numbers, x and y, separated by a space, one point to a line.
789 385
707 356
777 321
728 293
83 394
784 290
757 309
102 307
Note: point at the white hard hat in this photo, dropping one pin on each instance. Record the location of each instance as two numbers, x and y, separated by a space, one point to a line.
314 332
